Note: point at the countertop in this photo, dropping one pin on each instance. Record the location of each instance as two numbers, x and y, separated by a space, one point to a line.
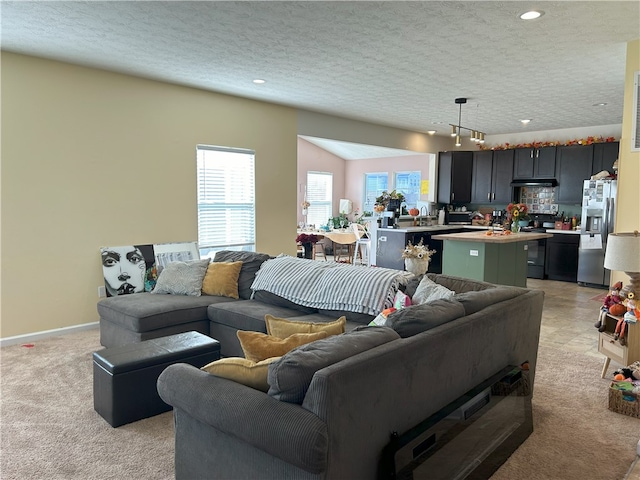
482 237
433 228
569 232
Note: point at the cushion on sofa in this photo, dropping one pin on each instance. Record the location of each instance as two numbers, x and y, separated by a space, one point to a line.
182 278
246 314
355 317
251 262
221 279
283 328
474 301
420 318
459 284
277 301
144 312
290 376
428 290
258 346
241 370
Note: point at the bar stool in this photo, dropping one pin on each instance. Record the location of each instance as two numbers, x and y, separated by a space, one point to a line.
362 241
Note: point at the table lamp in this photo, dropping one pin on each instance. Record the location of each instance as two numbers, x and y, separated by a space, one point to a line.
623 254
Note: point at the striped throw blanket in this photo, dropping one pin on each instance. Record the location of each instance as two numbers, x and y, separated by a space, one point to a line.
330 285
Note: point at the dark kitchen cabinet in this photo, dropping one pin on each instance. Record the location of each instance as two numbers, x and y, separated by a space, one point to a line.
481 188
604 154
501 176
573 166
538 163
492 174
454 177
561 259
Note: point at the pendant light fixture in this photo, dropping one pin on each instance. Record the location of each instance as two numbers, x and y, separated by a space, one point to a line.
456 130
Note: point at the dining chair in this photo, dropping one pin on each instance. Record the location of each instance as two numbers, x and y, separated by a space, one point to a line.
362 241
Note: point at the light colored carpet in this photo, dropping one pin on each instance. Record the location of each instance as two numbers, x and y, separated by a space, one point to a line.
49 429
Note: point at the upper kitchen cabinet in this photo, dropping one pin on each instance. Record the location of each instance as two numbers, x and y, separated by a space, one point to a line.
604 154
492 174
454 177
573 164
539 163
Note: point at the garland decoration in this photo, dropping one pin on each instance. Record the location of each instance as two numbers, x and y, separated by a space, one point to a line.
576 141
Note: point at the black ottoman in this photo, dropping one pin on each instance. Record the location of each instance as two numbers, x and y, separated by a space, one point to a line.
124 378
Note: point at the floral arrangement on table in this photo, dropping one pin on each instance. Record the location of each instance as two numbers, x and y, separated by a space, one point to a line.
516 213
307 238
305 205
416 257
576 141
417 251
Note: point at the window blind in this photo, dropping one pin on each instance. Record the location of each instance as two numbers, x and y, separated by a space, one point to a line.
408 183
226 199
374 185
319 195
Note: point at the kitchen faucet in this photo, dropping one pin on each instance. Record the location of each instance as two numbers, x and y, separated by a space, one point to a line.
426 213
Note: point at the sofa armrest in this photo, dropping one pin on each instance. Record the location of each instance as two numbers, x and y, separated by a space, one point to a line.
284 430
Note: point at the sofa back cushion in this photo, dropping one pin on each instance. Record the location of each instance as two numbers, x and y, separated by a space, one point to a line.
251 262
272 299
459 284
290 376
474 301
420 318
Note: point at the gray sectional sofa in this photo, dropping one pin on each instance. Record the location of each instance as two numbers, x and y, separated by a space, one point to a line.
340 421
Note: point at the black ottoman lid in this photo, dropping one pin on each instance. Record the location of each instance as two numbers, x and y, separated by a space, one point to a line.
173 348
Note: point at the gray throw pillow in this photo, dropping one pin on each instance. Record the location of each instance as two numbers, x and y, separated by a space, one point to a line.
420 318
289 378
251 262
428 291
182 278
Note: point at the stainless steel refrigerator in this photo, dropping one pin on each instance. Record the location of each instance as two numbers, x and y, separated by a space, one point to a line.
598 216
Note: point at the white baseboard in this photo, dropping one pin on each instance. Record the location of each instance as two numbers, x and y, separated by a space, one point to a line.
32 337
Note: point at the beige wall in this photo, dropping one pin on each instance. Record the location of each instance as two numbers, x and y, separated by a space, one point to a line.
628 217
92 158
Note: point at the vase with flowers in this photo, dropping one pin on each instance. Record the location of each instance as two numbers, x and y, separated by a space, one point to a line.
517 215
416 258
307 241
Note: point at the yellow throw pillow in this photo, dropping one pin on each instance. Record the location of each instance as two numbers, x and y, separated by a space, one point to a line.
242 371
258 346
222 279
282 328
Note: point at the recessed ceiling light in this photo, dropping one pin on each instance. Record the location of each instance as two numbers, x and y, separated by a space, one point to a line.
259 81
524 121
437 123
431 132
598 104
531 15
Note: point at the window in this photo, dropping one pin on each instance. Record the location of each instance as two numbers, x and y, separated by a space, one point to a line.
409 184
319 195
374 185
226 199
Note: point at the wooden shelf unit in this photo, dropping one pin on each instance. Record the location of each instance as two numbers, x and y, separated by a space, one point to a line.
612 349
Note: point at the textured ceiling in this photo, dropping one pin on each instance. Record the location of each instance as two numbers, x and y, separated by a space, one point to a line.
395 63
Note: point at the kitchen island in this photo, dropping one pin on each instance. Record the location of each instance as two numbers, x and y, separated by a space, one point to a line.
496 258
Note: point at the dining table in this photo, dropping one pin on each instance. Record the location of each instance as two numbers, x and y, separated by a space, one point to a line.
343 240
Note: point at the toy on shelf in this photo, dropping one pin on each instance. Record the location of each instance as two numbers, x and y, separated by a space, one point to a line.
630 316
612 304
